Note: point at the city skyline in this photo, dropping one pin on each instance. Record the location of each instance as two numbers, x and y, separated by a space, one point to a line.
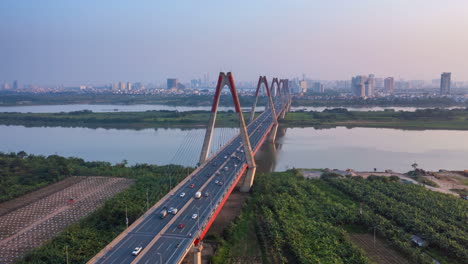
55 42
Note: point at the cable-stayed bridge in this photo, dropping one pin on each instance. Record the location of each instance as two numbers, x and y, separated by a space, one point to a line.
170 238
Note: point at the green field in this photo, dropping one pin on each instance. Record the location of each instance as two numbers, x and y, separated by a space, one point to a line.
300 220
456 119
22 173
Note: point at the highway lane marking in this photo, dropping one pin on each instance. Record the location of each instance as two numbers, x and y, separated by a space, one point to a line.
168 247
160 246
202 170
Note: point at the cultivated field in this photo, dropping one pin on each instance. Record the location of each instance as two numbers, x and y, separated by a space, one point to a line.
28 221
379 252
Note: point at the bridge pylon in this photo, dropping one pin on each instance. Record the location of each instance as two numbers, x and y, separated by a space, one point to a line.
263 80
227 80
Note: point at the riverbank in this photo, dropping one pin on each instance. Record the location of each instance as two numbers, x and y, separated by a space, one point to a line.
450 119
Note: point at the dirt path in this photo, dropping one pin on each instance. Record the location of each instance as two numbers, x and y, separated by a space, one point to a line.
381 253
28 227
444 188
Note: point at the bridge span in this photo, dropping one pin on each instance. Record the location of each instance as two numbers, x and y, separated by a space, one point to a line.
170 239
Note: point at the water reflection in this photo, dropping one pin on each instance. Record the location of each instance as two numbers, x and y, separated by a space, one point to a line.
340 148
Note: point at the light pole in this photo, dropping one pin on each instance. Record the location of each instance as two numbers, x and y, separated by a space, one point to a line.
126 215
66 252
160 257
147 199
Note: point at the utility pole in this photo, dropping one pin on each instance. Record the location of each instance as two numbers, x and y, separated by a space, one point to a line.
147 199
66 253
126 215
374 236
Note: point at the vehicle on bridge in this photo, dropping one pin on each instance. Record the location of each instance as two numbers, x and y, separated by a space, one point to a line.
198 195
163 213
137 251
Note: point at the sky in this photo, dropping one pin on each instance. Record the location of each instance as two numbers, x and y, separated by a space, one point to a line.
96 42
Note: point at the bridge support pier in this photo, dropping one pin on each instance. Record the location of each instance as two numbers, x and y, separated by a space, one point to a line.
272 136
197 256
249 179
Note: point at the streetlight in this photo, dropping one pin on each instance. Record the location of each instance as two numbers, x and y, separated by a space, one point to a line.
66 252
160 257
126 215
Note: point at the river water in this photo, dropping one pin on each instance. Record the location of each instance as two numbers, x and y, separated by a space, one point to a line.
147 107
340 148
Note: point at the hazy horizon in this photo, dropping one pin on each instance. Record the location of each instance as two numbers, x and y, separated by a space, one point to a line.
96 42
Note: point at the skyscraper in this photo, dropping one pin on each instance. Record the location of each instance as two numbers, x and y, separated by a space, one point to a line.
370 85
303 85
121 86
172 83
15 85
358 87
318 87
129 86
389 85
445 83
363 86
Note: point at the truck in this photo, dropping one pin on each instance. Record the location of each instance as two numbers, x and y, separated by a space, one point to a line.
163 213
198 195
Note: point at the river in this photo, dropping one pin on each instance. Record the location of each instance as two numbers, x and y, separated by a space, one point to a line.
148 107
340 148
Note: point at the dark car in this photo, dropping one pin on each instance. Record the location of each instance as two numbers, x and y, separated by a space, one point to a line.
180 226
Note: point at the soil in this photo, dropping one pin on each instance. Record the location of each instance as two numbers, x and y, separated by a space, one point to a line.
381 253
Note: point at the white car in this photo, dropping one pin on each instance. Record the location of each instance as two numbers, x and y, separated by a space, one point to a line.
216 182
182 194
194 216
225 157
137 251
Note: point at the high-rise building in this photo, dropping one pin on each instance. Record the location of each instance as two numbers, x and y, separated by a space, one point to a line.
303 85
121 86
318 87
114 87
172 83
445 83
129 86
363 86
370 85
358 86
15 85
389 85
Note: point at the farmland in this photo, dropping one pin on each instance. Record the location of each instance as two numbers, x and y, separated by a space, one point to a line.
332 219
29 225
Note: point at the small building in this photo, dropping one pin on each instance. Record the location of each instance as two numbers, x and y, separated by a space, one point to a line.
419 241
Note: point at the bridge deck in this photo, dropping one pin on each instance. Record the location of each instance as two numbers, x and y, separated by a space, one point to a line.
162 240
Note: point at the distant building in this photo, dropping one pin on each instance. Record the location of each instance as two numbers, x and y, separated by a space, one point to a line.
389 85
114 87
363 86
121 86
358 87
303 85
15 85
180 86
445 83
318 87
129 86
172 83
